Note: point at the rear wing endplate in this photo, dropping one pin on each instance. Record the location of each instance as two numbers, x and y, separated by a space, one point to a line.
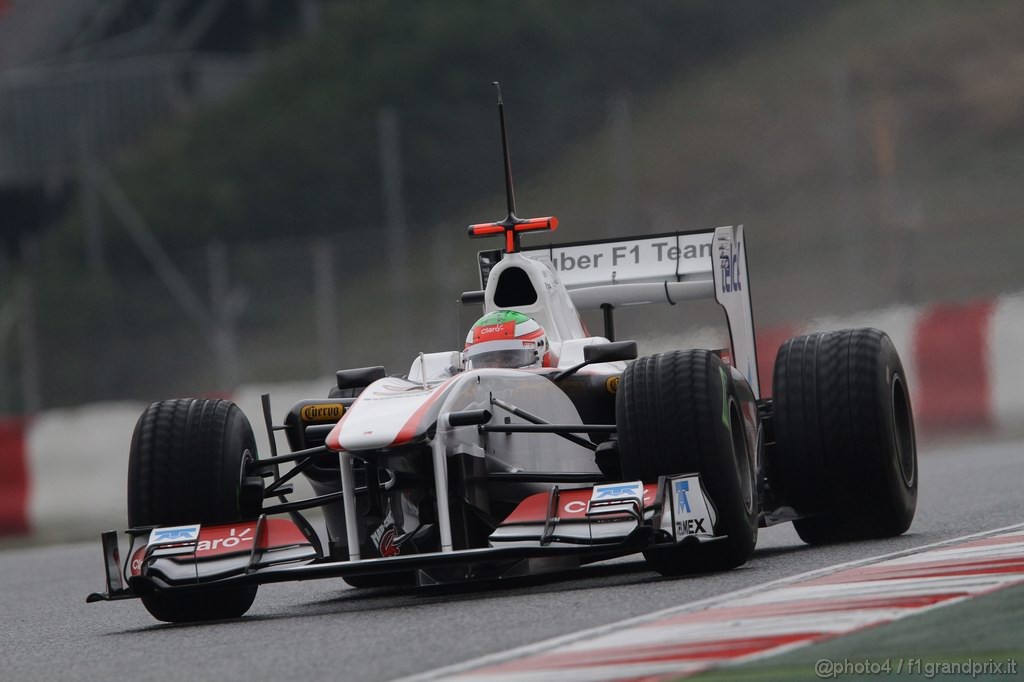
663 268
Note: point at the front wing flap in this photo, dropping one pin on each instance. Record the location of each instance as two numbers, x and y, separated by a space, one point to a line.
676 508
189 556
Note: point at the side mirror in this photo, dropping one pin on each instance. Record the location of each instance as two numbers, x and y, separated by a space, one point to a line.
610 352
601 352
360 377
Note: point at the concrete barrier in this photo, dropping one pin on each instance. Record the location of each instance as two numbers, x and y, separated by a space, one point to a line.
77 460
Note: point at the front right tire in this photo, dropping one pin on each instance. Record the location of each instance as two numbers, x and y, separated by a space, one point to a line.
677 413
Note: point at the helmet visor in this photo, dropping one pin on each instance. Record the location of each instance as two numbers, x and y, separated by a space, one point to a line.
506 353
522 357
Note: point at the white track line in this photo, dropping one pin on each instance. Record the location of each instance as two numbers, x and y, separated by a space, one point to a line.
590 633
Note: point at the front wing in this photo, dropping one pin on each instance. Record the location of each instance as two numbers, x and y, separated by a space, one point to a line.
564 527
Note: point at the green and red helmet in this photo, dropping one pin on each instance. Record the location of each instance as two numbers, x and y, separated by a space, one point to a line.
508 339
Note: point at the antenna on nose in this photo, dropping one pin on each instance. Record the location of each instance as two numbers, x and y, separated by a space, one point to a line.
510 192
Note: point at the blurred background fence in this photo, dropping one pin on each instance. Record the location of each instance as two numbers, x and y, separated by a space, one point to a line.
54 115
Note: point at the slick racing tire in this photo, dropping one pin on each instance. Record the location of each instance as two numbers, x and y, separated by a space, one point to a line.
677 413
185 467
845 452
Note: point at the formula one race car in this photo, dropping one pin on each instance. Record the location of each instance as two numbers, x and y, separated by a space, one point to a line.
536 448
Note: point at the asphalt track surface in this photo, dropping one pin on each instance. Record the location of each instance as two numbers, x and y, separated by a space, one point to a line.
326 630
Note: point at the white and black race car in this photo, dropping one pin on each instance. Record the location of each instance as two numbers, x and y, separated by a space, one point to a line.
459 470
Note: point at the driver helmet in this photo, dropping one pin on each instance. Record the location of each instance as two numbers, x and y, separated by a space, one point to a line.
506 339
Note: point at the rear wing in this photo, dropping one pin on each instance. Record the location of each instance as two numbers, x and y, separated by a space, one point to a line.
663 268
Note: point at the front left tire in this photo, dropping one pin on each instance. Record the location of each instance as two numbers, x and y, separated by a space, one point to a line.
185 466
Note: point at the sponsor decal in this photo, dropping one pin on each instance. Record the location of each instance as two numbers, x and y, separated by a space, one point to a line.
322 412
387 546
384 537
492 331
580 506
692 513
237 539
683 487
629 260
692 526
616 499
612 384
572 505
616 490
174 534
729 262
136 560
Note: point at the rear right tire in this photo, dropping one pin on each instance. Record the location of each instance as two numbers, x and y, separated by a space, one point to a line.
845 451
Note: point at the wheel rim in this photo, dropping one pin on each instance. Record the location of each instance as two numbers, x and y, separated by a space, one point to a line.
739 451
903 432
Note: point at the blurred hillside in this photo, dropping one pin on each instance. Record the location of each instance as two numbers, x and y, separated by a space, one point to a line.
875 158
299 150
316 218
